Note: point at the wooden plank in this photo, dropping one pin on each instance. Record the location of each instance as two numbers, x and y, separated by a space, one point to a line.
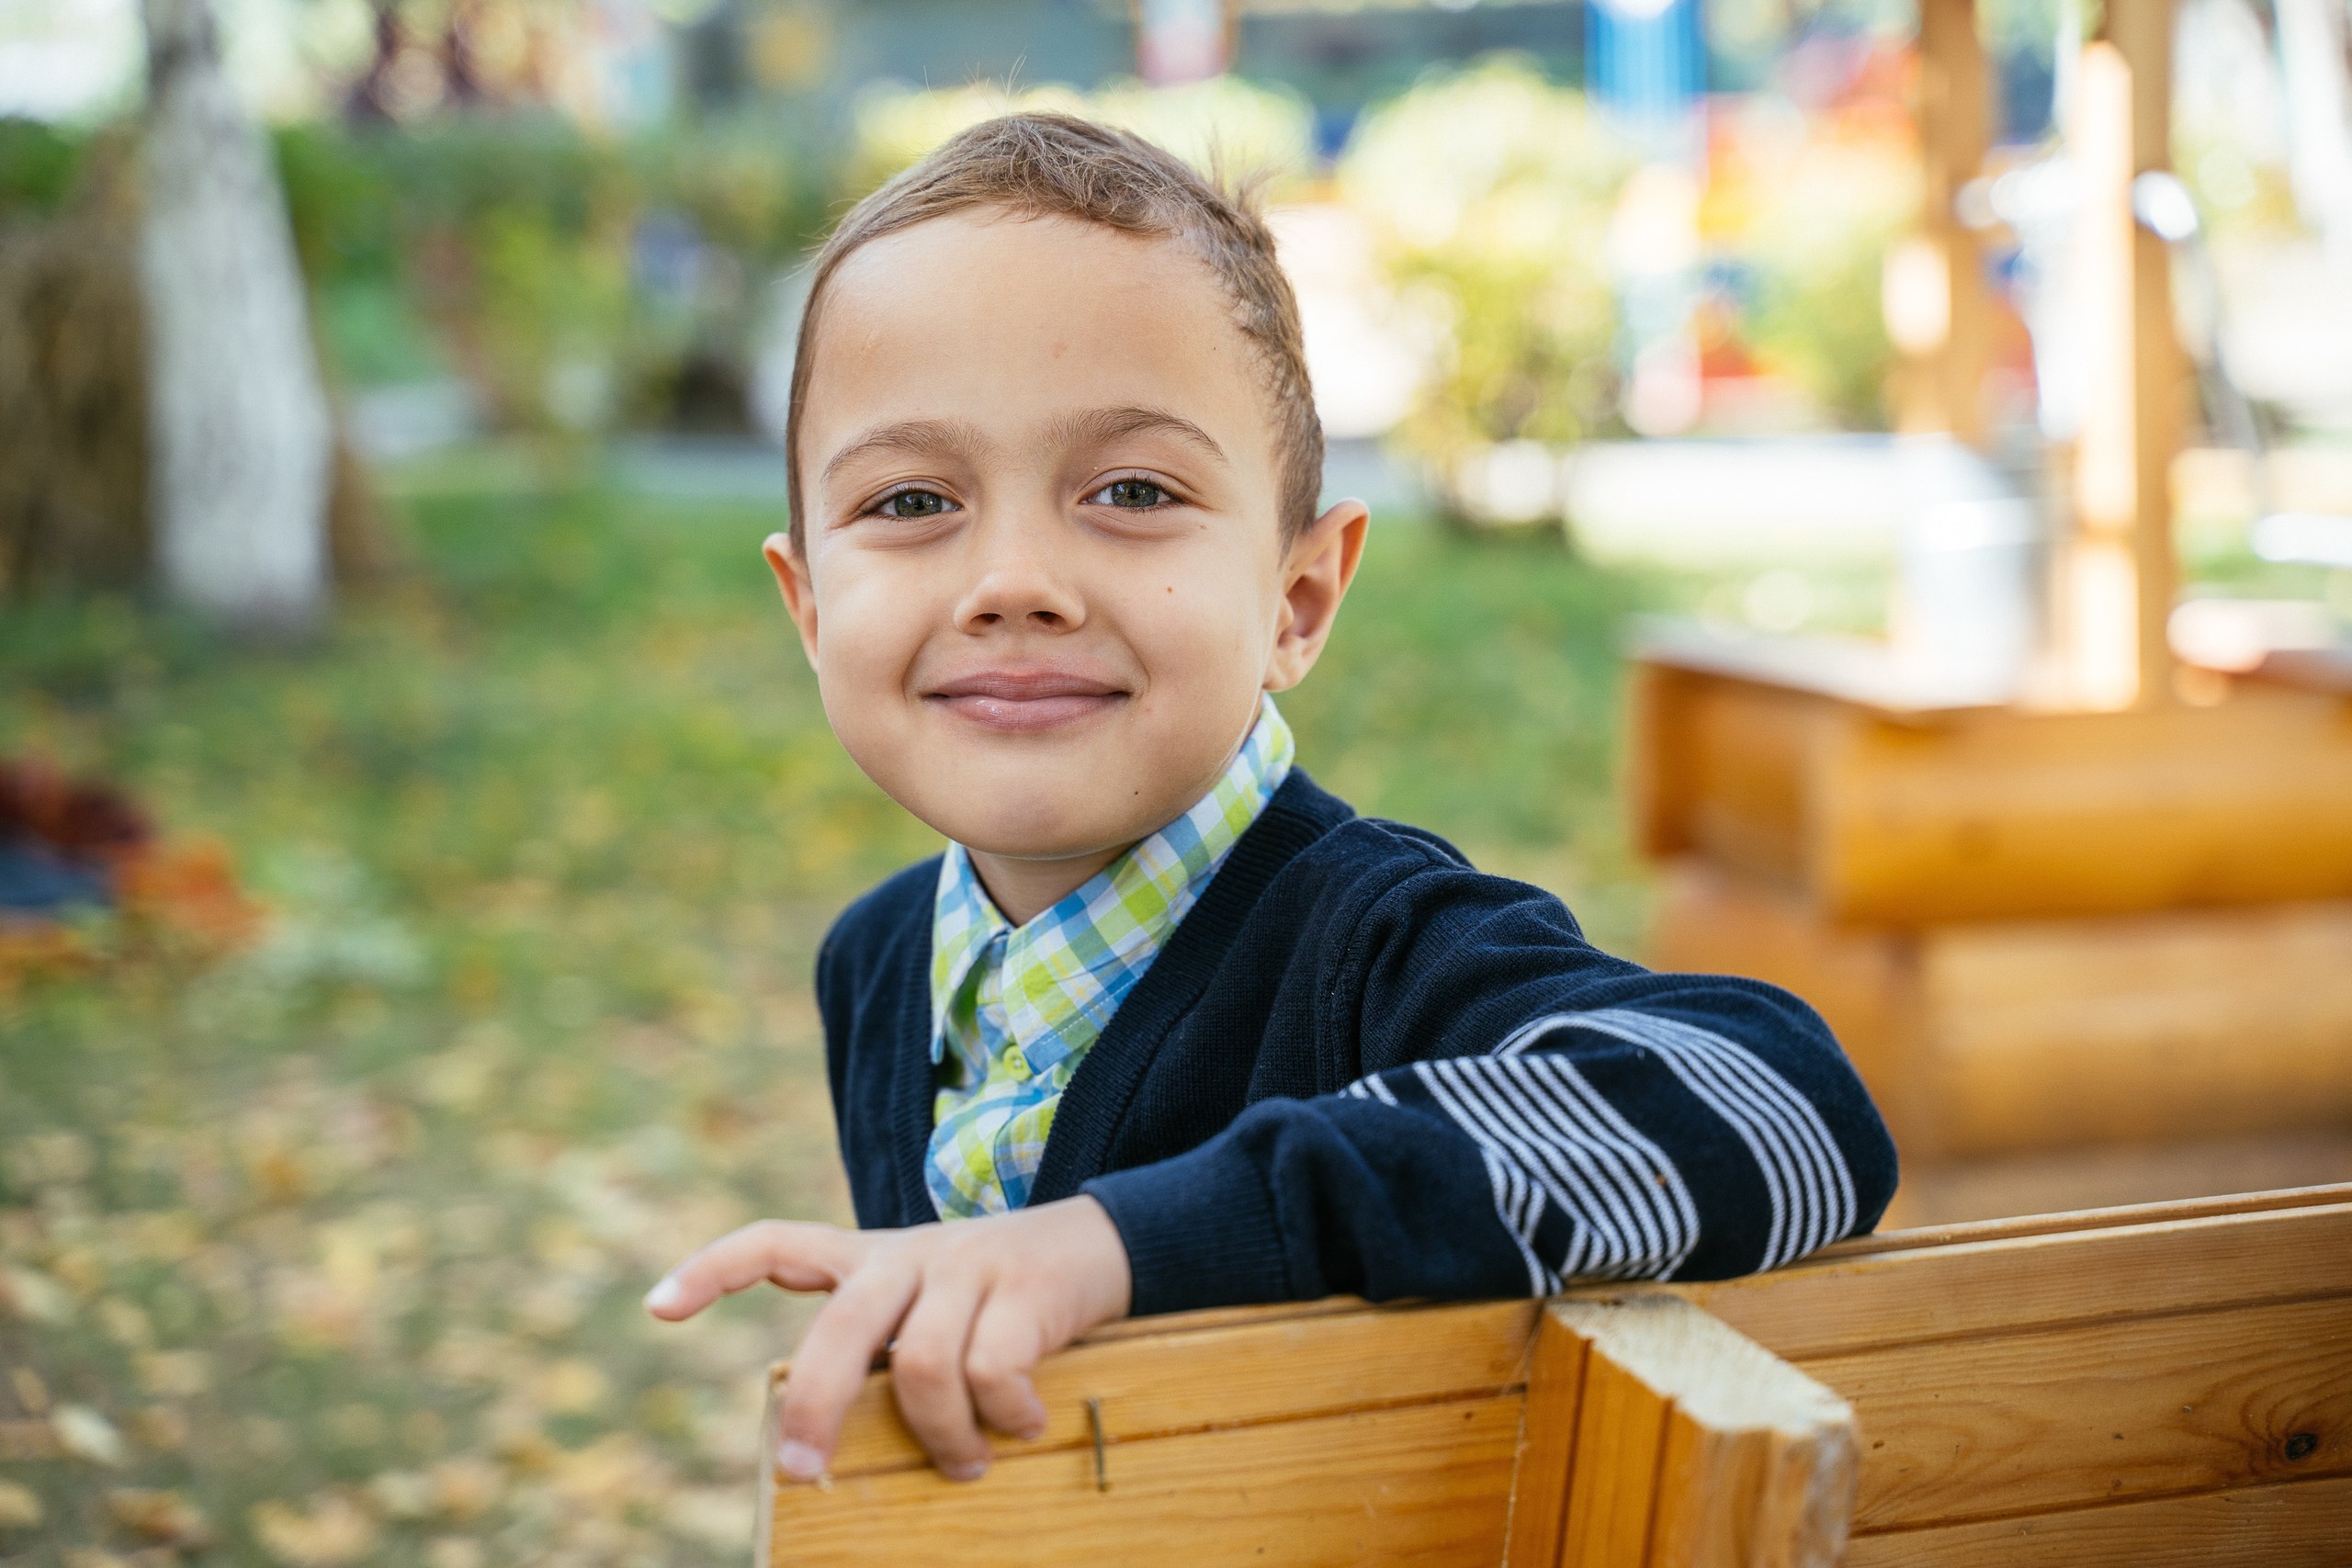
1258 1368
1995 814
2313 1197
2146 1028
1421 1484
2009 814
1699 1448
2304 1525
1834 1305
1547 1442
1955 132
1987 1187
2001 1036
1621 1432
2029 1422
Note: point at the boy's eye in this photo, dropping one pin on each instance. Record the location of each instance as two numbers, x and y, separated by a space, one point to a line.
1133 493
914 503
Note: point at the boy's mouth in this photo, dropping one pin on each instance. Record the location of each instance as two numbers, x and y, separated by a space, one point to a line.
1025 701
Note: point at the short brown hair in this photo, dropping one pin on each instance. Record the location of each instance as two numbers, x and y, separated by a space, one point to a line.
1058 165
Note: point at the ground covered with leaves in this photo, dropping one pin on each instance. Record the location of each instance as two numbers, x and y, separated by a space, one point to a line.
328 1251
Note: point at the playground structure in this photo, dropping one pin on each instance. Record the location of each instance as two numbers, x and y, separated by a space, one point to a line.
2157 1386
2107 908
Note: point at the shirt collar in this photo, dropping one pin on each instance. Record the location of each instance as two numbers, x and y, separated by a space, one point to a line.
1121 915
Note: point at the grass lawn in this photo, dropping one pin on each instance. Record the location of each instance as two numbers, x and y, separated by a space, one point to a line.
329 1252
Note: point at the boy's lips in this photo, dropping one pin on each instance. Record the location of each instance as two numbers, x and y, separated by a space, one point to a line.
1027 700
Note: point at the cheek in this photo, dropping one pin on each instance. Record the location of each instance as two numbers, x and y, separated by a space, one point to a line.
1198 634
868 630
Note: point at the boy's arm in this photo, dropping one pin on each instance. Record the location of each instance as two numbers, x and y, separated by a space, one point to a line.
1531 1111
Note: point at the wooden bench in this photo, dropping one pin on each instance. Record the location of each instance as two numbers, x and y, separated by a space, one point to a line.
2160 1386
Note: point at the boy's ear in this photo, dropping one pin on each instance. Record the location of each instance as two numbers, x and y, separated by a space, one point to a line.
791 568
1316 574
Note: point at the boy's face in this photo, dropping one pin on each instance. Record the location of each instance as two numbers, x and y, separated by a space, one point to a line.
1042 579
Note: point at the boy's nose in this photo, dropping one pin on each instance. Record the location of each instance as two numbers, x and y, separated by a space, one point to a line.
1017 582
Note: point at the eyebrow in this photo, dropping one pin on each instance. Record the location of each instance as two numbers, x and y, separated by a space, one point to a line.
1096 426
916 438
935 438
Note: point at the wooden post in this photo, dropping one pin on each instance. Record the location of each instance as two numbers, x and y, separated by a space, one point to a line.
2115 576
1938 309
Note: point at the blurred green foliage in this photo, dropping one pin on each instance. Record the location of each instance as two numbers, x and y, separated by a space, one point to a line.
1489 191
38 163
571 278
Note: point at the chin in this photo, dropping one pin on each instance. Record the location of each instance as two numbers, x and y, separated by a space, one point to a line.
1036 831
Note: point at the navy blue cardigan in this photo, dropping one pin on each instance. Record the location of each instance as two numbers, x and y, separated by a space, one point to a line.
1361 1066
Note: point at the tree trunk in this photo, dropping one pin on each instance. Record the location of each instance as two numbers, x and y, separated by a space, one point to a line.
239 430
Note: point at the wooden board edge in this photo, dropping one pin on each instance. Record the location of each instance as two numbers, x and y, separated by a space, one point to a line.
2077 1220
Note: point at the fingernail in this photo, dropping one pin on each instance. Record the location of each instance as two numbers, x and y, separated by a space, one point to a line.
1033 1431
664 1296
972 1472
799 1462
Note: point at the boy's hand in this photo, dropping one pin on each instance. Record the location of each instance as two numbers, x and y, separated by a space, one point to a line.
967 1308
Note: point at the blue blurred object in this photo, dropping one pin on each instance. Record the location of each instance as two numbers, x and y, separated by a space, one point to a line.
36 880
1646 60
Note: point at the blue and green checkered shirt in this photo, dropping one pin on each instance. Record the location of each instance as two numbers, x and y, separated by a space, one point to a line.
1013 1010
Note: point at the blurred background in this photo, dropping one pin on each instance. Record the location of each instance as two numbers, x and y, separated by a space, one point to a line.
416 820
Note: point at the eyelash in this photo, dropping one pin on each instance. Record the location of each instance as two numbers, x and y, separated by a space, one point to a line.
1169 497
874 507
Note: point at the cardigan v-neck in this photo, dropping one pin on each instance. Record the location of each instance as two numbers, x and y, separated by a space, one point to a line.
1100 1091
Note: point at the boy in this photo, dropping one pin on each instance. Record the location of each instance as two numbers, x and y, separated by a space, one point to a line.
1168 1026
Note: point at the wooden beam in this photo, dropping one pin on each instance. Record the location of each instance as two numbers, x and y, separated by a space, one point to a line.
1946 376
1992 1366
1547 1445
1830 1306
1893 819
2035 1422
1422 1484
2303 1525
1239 1374
2002 1036
2116 574
1696 1447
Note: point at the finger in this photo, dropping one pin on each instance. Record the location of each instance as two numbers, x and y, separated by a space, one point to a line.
1008 1340
927 1372
831 1363
796 1257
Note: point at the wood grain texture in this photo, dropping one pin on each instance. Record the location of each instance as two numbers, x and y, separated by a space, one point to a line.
1995 1036
1547 1445
2104 1175
2008 1285
2303 1525
2182 1024
1696 1447
2010 1228
1423 1484
1236 1373
1620 1431
1994 814
1982 1428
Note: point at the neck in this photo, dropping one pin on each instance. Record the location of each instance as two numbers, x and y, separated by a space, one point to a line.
1024 889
